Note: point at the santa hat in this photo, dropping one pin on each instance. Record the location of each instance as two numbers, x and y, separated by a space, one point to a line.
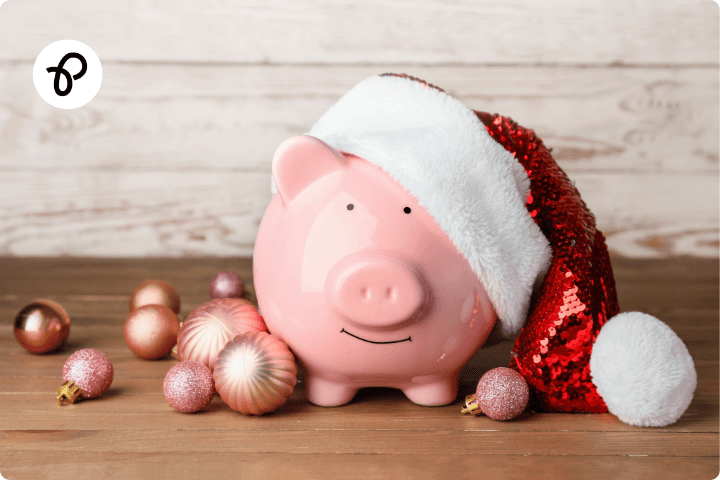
495 190
439 151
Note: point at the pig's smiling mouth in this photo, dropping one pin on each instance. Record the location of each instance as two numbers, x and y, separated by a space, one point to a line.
408 339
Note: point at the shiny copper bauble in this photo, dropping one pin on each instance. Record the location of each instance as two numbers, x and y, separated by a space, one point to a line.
226 285
155 292
151 331
210 326
42 326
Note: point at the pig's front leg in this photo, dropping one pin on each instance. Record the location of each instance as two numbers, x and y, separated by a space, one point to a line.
326 393
432 392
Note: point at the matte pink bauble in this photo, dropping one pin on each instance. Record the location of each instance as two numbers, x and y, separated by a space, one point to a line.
502 393
226 285
255 373
189 387
151 331
89 369
155 292
210 326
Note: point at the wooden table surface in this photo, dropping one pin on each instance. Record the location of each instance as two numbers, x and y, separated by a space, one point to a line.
131 431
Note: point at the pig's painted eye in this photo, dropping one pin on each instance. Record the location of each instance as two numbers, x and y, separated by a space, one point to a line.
350 206
406 210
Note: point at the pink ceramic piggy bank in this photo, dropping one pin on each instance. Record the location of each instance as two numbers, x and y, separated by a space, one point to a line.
361 283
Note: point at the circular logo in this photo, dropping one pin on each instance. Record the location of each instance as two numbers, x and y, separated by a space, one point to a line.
67 74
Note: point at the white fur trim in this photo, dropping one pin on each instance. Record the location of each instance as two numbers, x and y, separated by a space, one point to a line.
441 153
642 370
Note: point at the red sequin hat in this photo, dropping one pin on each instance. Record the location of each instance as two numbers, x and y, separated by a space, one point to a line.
495 190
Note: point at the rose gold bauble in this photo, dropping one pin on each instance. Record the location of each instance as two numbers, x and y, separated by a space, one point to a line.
189 387
226 285
155 292
151 331
174 352
502 393
89 369
210 326
255 373
42 326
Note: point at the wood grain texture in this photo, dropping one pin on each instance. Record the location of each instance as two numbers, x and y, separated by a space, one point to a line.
132 175
131 432
172 158
232 117
120 465
395 442
106 213
351 32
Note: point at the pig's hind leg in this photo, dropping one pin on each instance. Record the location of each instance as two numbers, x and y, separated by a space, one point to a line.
442 391
326 393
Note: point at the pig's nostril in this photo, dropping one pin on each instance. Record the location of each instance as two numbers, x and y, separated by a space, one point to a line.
365 293
390 293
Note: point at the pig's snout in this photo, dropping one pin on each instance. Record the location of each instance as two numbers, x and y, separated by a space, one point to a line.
376 291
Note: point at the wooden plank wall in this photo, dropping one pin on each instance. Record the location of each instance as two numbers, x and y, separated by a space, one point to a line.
172 158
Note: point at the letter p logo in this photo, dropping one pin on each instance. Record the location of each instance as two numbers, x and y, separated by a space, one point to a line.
67 74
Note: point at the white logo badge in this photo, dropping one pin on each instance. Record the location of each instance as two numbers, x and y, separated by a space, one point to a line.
67 74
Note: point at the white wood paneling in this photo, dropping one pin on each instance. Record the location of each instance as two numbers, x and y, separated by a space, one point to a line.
209 213
172 157
131 213
654 214
233 117
333 32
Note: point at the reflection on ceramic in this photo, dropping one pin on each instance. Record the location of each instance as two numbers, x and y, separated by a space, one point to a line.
361 283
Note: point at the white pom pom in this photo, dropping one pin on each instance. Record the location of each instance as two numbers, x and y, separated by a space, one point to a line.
642 370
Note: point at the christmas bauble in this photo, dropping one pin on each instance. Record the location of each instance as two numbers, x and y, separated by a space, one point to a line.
89 370
255 373
189 387
155 292
210 326
151 331
502 393
42 326
226 285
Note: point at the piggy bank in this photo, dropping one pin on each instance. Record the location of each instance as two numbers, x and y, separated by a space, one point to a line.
360 281
407 226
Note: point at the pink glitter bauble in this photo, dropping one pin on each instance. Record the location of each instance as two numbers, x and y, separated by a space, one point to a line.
502 393
226 285
210 326
90 370
189 387
255 373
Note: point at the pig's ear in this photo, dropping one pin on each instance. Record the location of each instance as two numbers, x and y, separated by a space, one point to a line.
301 160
